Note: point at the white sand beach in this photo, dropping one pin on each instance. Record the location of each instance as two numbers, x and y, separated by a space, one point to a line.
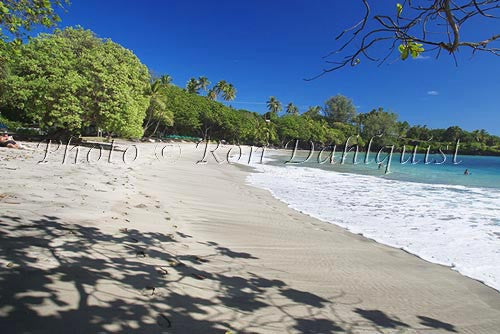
164 246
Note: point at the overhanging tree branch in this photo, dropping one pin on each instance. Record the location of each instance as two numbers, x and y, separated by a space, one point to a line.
414 27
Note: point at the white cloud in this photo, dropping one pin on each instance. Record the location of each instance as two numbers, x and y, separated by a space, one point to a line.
420 57
433 92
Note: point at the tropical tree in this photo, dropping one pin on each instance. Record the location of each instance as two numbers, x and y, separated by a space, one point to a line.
228 92
72 79
193 86
339 109
292 109
165 79
453 133
196 115
419 132
186 108
313 112
274 105
19 16
481 135
379 122
223 88
157 111
403 128
219 87
212 94
203 83
291 128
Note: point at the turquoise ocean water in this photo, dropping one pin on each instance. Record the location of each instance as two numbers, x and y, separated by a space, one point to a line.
484 171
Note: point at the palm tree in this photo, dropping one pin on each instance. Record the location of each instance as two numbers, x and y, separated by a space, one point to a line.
274 105
480 135
313 112
192 86
155 102
292 109
223 88
203 83
228 92
166 79
220 86
212 94
157 109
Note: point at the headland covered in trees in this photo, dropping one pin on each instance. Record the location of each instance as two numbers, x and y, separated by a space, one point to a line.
72 82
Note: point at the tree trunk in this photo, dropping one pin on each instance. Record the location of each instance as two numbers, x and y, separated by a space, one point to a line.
156 128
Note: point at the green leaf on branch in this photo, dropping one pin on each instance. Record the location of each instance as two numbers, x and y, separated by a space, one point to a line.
410 48
399 8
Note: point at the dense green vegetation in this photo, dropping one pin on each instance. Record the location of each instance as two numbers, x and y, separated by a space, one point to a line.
71 82
20 16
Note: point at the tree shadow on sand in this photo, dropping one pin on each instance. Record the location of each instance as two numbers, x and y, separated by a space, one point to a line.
433 323
380 319
59 277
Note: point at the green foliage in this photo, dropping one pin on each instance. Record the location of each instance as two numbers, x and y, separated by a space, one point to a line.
157 113
199 116
410 48
453 133
347 129
476 142
313 112
339 109
379 122
305 128
71 79
186 108
11 125
227 90
19 16
203 83
165 79
273 105
193 86
292 109
223 88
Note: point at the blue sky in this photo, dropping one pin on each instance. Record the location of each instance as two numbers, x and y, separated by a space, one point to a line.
268 47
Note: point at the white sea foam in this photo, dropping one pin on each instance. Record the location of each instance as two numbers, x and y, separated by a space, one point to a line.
450 225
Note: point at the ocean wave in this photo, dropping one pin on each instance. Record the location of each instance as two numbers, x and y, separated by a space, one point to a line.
451 225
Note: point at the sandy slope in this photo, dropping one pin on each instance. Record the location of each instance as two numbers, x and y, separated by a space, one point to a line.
176 247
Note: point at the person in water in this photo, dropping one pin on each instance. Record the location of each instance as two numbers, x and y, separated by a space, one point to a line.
466 172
